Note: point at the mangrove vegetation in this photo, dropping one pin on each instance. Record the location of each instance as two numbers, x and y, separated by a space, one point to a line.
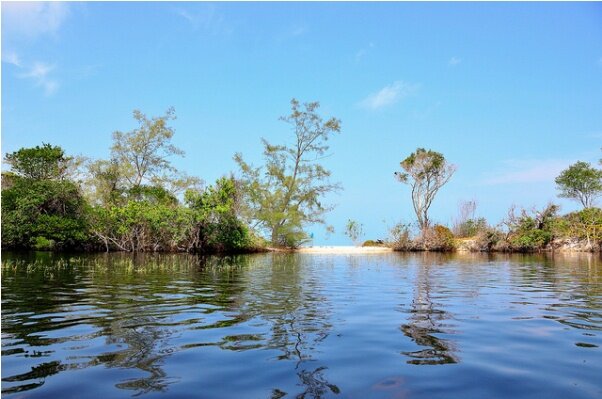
138 201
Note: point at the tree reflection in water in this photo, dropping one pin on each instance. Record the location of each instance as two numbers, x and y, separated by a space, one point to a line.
427 319
290 300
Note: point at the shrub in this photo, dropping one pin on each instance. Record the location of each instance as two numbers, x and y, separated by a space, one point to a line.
583 225
372 243
533 230
400 237
471 227
438 238
43 244
50 209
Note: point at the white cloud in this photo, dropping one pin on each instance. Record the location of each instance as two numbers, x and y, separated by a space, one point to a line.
33 19
388 95
453 61
527 171
10 57
39 74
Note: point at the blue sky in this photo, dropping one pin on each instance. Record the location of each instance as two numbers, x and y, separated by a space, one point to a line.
510 93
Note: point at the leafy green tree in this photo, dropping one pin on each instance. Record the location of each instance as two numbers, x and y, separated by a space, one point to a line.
140 157
286 193
218 227
41 208
580 182
104 184
425 171
44 162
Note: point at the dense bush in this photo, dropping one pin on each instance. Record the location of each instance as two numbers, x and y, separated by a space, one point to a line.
45 214
531 231
155 221
582 225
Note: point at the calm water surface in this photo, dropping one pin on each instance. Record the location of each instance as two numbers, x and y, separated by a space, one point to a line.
301 326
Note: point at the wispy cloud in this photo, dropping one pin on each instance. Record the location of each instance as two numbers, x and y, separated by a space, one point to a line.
361 53
520 171
10 57
388 95
453 61
32 19
599 61
39 73
206 18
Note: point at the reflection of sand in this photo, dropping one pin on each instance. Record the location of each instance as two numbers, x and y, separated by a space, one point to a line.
343 250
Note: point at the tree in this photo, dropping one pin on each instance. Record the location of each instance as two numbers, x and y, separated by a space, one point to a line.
44 162
354 230
425 171
41 207
286 193
580 182
142 154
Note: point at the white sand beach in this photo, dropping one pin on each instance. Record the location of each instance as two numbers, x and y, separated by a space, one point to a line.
343 250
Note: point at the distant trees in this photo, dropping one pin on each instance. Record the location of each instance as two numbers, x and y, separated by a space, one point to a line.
286 193
425 171
581 182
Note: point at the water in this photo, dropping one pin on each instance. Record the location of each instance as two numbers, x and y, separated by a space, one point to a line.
301 326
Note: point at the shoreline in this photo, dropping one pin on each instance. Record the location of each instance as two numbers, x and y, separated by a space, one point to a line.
342 250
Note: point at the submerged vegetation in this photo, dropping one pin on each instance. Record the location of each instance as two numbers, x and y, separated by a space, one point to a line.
137 201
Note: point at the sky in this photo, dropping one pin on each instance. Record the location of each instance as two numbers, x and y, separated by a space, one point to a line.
511 93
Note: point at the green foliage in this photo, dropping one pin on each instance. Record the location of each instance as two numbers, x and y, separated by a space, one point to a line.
140 160
153 220
532 231
354 230
142 226
372 243
425 171
38 210
585 225
216 216
286 193
471 227
44 162
43 244
401 237
580 182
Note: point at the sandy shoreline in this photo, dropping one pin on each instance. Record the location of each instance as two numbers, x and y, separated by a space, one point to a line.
343 250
